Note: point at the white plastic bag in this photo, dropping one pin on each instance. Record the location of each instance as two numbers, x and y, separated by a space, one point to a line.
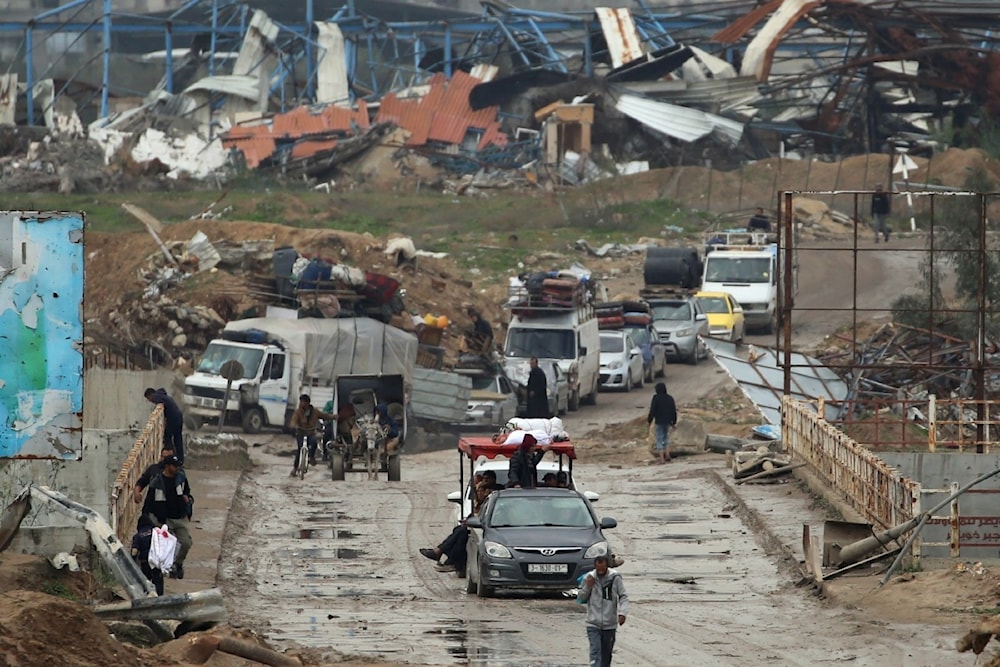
162 549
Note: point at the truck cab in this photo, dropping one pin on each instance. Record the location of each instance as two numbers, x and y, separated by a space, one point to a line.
750 273
259 397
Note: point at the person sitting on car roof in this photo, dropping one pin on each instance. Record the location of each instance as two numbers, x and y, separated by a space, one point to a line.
562 479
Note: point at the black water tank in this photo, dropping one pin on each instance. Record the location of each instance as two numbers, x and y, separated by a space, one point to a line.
672 266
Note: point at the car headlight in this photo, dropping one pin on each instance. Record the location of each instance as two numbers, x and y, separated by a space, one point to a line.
615 364
687 331
497 550
595 550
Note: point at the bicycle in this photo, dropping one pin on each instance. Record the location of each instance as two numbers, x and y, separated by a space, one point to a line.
304 455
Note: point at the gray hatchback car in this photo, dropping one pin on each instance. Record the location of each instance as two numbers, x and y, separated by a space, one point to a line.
533 539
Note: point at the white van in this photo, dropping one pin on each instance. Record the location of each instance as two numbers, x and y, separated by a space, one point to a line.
561 330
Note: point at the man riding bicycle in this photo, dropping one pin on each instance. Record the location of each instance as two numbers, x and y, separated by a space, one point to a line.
305 421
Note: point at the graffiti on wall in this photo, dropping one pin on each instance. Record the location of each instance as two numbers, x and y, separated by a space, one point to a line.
41 334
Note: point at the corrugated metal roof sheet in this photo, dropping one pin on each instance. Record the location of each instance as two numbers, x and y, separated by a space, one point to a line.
256 143
309 147
679 122
759 54
443 113
735 30
622 38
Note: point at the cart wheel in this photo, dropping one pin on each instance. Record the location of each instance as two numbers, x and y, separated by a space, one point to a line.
337 466
394 468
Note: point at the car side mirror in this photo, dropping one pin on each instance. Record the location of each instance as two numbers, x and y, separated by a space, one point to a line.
473 522
634 351
700 317
455 497
583 351
592 496
608 522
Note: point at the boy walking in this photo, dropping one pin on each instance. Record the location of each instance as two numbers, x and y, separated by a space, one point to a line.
662 411
607 606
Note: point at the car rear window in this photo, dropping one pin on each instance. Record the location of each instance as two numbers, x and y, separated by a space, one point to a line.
612 344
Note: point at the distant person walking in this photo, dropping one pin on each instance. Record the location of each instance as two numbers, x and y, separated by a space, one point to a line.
881 207
173 420
607 607
663 414
538 394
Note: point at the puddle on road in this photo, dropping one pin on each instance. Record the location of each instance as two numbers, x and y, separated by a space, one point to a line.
690 537
474 642
320 555
324 534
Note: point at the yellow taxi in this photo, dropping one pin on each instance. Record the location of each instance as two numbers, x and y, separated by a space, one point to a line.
725 315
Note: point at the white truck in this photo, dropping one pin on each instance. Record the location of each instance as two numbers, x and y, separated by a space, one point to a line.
283 358
554 320
748 266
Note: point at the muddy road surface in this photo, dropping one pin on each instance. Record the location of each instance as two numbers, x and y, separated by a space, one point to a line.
334 566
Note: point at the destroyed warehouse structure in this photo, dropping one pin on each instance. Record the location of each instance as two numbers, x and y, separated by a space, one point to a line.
558 91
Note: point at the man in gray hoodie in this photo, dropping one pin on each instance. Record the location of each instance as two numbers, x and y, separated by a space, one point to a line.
607 606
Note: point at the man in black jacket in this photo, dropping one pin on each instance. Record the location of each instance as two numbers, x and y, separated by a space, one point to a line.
150 472
538 393
173 420
662 411
168 498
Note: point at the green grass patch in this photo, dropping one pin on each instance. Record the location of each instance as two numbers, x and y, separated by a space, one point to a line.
58 589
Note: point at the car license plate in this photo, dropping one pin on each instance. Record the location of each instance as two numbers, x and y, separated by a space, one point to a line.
547 568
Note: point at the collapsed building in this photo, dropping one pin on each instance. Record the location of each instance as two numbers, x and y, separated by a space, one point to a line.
567 96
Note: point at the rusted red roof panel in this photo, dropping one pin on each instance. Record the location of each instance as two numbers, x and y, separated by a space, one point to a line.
309 147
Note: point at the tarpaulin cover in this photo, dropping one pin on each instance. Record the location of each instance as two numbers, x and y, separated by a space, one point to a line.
330 348
475 447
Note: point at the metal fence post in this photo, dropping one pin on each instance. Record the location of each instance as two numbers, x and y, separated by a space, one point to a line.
956 535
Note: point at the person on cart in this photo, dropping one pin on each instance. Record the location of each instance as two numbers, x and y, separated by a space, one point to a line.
386 421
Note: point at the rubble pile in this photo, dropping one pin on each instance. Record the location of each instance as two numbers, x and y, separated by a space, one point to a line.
157 312
33 160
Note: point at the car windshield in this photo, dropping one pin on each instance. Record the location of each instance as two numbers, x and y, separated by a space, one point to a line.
544 343
219 353
713 304
484 383
738 269
677 311
612 344
520 511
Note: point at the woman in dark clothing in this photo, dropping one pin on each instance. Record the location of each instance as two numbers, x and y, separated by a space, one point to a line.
522 472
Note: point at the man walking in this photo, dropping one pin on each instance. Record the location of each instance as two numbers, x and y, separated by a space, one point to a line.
881 207
169 500
662 411
173 420
538 393
607 607
151 471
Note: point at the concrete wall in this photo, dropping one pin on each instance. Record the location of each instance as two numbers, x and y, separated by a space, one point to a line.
113 401
979 511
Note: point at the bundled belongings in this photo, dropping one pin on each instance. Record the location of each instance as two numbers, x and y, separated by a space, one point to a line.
544 430
549 290
619 314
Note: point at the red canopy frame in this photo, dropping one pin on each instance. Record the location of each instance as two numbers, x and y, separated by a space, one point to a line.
474 447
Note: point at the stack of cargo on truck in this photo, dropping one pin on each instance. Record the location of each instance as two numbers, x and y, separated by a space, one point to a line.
552 318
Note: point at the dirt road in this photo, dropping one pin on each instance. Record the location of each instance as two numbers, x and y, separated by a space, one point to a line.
334 566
